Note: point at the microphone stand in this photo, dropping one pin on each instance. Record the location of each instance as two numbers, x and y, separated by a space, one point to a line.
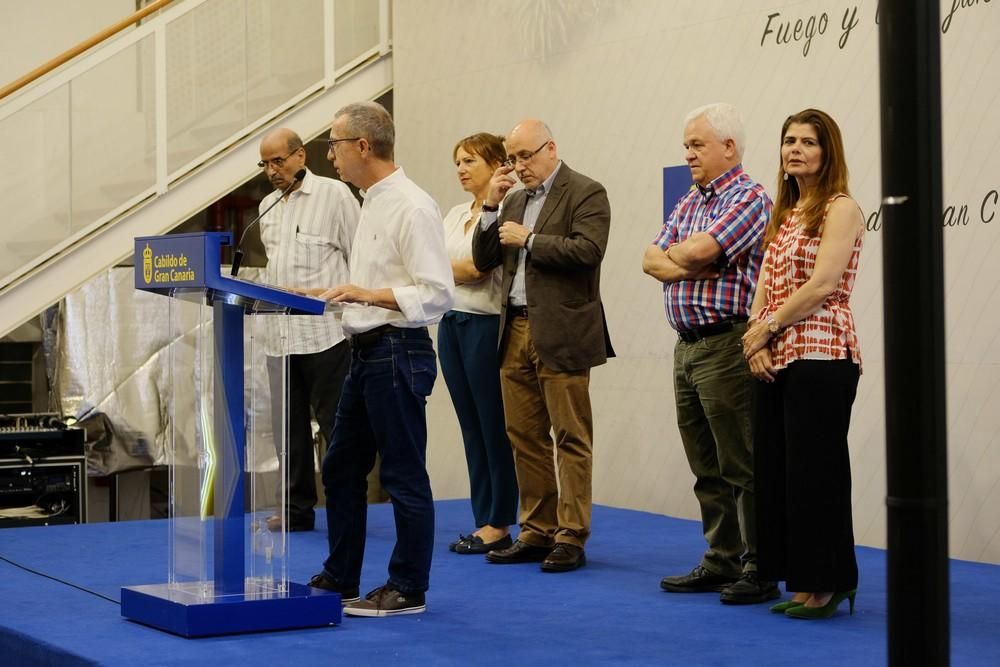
238 252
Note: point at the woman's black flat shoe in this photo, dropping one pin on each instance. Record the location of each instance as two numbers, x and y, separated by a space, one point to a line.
473 544
461 538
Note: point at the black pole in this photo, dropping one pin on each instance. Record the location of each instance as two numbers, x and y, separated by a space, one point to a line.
913 283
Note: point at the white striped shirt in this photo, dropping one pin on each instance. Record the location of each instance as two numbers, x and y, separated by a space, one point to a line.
308 240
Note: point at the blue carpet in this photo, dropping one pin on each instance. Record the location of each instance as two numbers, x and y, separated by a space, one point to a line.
611 612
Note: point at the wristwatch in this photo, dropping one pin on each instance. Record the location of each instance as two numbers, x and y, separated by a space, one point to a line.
490 209
772 325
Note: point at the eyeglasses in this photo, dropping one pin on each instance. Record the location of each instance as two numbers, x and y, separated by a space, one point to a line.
512 160
277 162
332 143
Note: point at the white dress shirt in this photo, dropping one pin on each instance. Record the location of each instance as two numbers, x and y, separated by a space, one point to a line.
400 245
482 297
308 240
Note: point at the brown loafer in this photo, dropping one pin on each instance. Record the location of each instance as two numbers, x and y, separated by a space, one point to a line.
564 557
519 552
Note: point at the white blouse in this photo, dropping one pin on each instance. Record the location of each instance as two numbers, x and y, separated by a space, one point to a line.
483 297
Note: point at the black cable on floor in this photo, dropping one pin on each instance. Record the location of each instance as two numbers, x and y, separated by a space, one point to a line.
61 581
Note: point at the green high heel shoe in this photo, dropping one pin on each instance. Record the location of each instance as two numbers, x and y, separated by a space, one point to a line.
826 611
782 607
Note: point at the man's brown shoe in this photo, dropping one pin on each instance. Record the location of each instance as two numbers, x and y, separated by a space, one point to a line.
519 552
564 557
347 595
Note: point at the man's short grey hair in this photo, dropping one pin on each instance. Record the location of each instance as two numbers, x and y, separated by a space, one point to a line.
370 120
724 120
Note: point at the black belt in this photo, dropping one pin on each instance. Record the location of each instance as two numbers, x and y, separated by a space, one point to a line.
373 336
517 311
708 330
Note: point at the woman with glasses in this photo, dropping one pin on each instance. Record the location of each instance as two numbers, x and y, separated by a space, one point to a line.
803 347
467 348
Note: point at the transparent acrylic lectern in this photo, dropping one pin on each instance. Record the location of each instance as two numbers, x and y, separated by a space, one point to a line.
227 570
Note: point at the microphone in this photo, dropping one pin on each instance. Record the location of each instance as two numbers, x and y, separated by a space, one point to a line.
238 253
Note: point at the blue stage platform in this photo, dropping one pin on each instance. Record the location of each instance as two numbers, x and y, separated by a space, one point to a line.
611 612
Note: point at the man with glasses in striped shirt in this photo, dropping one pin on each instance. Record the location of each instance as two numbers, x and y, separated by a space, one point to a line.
707 256
308 237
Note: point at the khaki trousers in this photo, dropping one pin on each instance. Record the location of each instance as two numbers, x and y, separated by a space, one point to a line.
555 496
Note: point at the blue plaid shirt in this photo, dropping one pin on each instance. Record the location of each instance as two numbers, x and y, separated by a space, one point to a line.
734 210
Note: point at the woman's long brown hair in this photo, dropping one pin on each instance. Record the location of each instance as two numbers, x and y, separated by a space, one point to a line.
832 177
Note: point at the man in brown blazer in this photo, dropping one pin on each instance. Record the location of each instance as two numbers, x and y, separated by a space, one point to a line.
550 239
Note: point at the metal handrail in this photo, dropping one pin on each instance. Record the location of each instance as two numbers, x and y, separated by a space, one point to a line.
166 176
83 46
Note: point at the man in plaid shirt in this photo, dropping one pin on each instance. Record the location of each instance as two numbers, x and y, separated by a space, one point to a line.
707 256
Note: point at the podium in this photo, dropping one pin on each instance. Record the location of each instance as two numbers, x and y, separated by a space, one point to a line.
227 571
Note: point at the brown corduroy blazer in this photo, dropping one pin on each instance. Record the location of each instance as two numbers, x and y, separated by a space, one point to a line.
562 271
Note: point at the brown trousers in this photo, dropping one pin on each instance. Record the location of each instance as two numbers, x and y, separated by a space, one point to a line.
555 496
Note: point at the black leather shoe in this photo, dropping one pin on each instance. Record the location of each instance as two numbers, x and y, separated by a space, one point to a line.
699 580
347 595
748 589
295 526
563 558
519 552
473 544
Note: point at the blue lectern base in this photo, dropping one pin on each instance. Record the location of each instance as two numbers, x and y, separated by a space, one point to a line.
180 609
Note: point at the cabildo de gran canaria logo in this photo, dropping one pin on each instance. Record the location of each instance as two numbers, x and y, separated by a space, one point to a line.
165 268
147 264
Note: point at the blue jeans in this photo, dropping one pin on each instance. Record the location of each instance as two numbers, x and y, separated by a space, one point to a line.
383 409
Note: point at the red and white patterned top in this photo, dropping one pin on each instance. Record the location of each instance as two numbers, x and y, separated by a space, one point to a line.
828 333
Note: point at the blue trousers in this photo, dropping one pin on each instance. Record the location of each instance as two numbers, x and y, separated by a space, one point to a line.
383 409
467 345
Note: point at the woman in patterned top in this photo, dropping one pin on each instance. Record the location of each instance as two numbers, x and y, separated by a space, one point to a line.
802 347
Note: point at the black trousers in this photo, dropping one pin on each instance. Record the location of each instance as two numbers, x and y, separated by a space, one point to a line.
315 382
802 475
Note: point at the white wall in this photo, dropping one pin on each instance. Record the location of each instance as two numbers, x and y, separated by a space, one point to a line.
63 23
614 79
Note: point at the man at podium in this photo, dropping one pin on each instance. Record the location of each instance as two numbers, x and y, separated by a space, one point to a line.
400 282
308 236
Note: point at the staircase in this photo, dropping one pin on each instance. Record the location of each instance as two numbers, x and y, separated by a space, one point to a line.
144 130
